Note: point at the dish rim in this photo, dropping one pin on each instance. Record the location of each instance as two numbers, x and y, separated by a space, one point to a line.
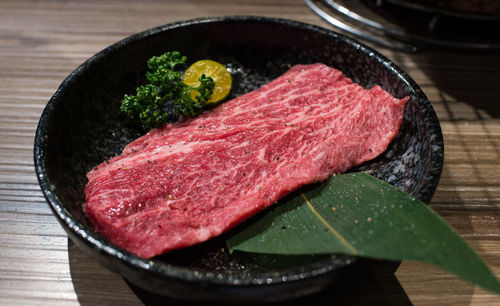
161 269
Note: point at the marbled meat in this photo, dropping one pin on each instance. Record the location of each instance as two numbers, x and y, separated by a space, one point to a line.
192 180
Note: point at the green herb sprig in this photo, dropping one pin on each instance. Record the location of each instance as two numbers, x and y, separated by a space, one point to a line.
149 105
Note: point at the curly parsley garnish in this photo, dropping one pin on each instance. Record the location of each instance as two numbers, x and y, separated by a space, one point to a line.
165 86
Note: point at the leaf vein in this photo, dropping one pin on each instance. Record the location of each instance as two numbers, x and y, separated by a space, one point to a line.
330 228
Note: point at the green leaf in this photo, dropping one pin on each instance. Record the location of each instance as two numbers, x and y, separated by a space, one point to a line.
357 214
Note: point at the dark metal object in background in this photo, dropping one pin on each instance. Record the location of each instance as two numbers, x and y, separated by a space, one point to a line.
394 44
445 8
409 27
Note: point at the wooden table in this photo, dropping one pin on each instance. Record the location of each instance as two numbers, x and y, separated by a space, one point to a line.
41 42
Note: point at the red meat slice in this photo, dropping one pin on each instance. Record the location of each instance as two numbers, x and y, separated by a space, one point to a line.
192 180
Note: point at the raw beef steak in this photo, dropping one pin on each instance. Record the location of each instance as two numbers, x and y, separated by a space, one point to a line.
192 180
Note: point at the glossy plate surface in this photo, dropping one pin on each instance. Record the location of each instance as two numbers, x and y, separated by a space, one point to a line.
81 126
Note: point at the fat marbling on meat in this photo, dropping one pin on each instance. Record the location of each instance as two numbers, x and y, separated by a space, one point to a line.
192 180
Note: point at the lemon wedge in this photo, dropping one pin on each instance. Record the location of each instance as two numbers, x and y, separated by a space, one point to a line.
216 71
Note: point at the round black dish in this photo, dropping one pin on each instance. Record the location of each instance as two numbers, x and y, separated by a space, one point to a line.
81 126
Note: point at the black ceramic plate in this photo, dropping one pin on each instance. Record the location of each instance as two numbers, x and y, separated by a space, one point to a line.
81 126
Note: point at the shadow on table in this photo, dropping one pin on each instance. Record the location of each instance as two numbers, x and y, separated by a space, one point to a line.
463 77
370 283
468 85
95 285
467 89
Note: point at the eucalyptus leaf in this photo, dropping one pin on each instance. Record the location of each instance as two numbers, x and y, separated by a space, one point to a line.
357 214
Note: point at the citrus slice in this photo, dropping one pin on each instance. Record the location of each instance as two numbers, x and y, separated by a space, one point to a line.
216 71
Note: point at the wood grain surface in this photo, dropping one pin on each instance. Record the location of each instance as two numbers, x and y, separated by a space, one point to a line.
41 42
